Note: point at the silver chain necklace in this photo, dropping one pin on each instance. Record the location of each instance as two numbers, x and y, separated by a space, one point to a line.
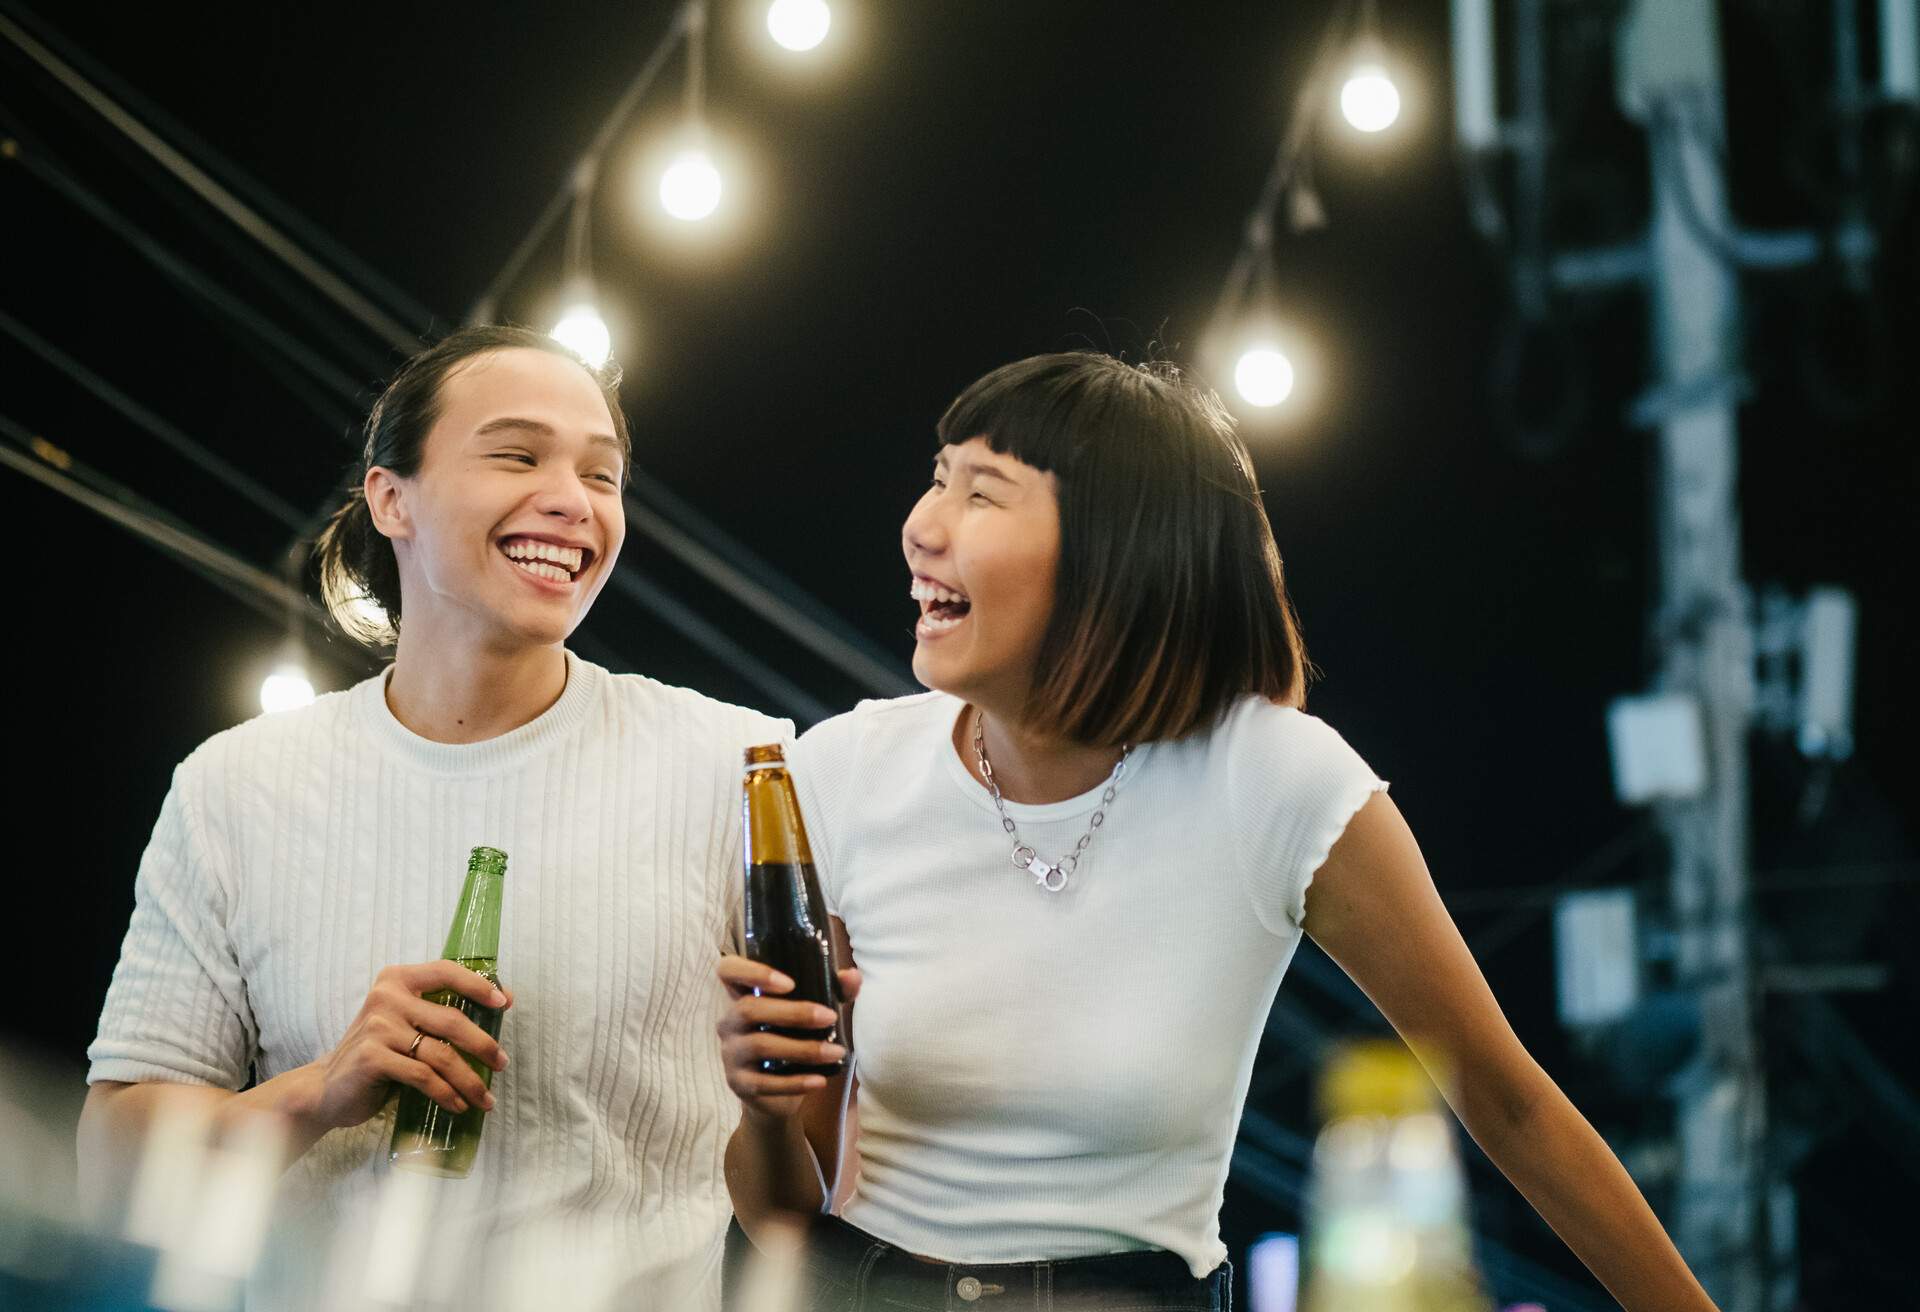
1052 877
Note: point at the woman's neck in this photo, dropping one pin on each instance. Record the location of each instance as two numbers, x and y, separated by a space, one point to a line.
1030 767
467 693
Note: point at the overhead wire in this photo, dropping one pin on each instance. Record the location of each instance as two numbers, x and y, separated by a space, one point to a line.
45 462
1256 238
214 162
196 453
196 179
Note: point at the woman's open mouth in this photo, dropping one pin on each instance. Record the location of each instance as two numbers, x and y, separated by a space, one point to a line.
942 609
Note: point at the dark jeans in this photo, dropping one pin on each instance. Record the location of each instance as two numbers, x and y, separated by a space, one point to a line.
848 1270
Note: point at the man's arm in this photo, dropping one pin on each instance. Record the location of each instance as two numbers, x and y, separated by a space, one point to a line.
398 1037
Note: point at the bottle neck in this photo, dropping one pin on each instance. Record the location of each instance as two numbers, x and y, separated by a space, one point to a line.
475 933
774 832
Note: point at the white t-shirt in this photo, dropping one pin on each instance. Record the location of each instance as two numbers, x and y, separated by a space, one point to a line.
1062 1075
298 854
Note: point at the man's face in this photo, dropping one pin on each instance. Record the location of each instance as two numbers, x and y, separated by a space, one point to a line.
514 519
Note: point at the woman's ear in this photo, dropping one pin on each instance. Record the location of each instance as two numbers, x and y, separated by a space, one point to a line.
385 492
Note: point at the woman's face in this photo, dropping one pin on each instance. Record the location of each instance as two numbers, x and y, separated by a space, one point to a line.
510 527
983 544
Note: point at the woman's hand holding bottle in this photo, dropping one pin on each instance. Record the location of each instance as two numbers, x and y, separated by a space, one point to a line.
746 1040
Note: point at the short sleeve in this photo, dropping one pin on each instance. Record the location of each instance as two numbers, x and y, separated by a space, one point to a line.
176 1011
816 779
1293 783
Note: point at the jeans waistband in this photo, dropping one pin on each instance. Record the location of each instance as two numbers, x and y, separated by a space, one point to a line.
852 1271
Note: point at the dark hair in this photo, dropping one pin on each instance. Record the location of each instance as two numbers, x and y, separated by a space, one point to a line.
355 562
1169 602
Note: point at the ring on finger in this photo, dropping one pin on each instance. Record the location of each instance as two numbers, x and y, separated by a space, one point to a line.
414 1047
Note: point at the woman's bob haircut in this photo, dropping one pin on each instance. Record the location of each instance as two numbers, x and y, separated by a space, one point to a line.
1169 603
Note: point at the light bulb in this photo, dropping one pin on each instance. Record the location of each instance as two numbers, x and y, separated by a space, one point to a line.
690 186
1369 99
286 689
582 331
799 24
1263 377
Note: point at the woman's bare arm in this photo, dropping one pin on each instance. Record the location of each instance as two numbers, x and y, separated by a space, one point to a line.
1373 908
785 1161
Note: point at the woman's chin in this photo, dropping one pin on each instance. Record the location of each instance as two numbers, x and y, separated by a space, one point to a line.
927 668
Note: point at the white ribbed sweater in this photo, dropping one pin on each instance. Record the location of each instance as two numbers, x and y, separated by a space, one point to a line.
298 854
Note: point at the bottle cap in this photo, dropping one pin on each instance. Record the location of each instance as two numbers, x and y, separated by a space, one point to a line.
487 861
766 754
1375 1077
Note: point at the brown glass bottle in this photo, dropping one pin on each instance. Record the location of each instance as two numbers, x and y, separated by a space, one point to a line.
786 918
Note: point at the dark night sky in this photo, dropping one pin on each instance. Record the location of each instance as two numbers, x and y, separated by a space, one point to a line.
957 186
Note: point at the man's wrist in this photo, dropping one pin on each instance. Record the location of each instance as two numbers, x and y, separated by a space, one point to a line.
295 1095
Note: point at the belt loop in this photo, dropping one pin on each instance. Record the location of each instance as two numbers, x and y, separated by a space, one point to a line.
875 1252
1043 1278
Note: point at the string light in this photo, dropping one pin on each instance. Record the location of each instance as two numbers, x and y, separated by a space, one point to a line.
690 186
1250 325
582 331
799 25
1263 376
286 689
1368 98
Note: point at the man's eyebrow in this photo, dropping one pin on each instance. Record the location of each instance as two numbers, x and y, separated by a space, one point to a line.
514 424
518 424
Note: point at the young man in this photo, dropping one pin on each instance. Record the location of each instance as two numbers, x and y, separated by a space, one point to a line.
305 866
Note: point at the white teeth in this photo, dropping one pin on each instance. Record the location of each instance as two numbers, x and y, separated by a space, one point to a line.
923 590
544 570
524 550
940 624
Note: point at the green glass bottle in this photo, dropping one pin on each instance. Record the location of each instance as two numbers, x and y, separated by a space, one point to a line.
426 1136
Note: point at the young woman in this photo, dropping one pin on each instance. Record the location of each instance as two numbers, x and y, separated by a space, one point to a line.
306 865
1073 875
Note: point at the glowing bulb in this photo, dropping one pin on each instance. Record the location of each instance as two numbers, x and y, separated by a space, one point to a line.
799 24
286 689
582 331
1263 377
690 186
1369 99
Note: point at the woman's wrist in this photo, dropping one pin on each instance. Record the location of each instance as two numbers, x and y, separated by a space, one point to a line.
770 1126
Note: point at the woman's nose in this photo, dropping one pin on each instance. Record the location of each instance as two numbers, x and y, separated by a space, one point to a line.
925 532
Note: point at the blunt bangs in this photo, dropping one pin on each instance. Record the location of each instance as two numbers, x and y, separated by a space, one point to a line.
1169 601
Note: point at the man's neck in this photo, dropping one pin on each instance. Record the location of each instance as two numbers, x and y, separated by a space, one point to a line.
1029 767
453 692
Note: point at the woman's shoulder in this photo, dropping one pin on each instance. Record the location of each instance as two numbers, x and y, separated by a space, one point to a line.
1256 730
874 726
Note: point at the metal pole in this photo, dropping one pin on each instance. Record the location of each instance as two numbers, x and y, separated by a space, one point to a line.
1670 80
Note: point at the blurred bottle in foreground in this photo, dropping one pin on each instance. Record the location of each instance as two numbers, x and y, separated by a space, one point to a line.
1387 1209
426 1136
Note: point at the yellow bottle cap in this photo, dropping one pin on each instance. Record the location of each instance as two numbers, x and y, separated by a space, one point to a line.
1375 1077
